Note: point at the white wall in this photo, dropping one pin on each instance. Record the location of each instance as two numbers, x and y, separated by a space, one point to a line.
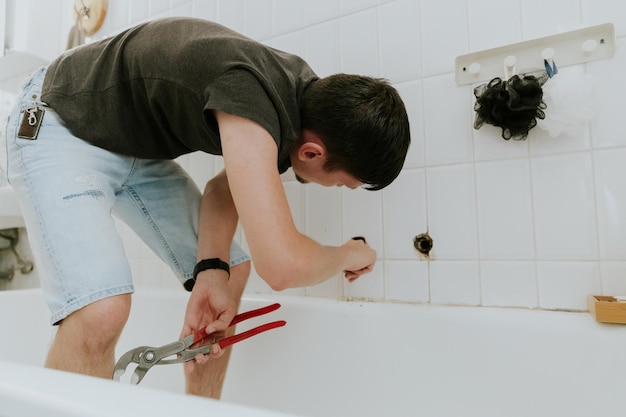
537 224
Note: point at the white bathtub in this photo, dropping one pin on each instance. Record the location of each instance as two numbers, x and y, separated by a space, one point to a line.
368 359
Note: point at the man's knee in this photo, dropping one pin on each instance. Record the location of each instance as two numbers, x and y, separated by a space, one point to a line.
100 323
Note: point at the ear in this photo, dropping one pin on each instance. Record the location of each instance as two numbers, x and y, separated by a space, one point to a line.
311 148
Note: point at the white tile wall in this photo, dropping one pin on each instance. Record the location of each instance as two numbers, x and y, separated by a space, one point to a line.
607 127
565 216
358 43
359 207
320 10
455 282
565 285
452 211
504 207
443 34
532 224
544 18
494 23
447 121
398 34
407 281
508 283
613 281
414 101
611 201
404 214
322 49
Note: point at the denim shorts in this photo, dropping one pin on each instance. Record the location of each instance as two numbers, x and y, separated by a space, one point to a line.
69 189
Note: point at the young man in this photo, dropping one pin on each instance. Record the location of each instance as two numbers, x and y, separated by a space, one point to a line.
96 131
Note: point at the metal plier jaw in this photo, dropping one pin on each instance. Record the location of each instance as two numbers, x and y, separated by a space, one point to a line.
147 356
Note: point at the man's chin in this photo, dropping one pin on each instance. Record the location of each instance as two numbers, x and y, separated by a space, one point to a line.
301 180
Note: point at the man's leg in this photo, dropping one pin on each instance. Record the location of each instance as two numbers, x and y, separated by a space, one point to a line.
66 189
85 340
207 380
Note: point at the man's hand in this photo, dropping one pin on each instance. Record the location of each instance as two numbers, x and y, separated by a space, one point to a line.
362 257
211 305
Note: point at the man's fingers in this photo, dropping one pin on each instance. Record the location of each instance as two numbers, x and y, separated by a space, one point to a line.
188 366
221 323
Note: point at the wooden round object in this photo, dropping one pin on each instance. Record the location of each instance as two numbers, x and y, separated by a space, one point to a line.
91 14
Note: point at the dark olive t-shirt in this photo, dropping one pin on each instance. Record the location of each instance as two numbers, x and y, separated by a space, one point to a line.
149 91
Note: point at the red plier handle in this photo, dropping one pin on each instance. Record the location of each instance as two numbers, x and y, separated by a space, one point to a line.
201 334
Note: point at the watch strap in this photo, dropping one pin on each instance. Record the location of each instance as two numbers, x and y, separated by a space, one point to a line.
203 265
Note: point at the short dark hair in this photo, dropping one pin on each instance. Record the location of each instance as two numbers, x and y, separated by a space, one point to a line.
363 124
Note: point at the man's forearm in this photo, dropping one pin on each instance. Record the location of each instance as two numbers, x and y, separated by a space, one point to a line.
217 220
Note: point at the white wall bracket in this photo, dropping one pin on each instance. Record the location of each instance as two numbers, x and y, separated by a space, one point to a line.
568 48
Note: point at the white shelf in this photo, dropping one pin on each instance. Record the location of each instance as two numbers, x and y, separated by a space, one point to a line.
568 48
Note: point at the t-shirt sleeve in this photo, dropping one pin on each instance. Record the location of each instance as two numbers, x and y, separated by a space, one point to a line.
240 93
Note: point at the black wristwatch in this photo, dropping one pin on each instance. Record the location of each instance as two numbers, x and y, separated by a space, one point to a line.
203 265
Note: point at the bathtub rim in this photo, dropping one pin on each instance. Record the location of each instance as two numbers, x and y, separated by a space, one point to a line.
344 304
74 395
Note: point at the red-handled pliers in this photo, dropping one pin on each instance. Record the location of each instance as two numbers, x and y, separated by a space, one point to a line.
146 356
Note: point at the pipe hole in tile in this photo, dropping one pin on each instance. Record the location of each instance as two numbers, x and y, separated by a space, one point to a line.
423 243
